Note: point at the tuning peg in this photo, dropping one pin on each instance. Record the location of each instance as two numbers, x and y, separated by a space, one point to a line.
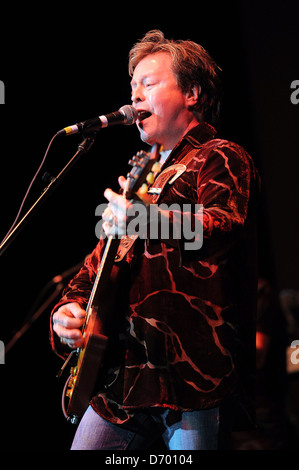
133 162
133 159
156 168
150 178
143 189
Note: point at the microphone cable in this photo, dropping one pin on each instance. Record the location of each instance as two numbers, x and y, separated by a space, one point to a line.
29 188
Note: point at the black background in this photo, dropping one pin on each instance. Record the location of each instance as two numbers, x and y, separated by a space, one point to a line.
63 66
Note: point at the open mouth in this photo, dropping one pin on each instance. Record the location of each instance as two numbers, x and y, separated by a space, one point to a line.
143 115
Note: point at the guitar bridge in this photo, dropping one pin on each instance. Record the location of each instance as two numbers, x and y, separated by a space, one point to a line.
71 382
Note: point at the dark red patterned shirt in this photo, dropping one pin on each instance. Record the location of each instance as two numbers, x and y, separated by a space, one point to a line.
186 318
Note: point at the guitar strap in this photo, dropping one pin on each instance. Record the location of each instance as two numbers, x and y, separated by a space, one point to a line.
167 176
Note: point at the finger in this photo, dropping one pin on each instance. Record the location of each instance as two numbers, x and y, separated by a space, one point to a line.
67 333
73 344
117 201
109 194
122 182
76 310
108 215
67 320
112 214
110 230
119 209
71 310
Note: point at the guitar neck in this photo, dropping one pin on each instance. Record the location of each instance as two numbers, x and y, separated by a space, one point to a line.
103 274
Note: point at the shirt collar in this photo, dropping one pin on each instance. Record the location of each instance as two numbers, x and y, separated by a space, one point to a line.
197 136
200 134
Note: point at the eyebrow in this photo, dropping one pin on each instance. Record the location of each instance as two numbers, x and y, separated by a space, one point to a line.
142 78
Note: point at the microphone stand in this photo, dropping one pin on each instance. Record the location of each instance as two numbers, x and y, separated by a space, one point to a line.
83 148
58 289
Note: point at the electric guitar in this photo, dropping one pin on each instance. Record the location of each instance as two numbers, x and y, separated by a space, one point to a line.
90 356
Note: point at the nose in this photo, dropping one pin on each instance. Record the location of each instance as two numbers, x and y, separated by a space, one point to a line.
137 94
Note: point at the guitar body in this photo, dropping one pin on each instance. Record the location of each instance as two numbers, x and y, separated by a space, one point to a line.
83 376
96 331
100 310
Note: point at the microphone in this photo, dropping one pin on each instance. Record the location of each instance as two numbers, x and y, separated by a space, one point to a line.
126 115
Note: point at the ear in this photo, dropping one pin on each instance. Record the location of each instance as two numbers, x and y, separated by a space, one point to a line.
192 95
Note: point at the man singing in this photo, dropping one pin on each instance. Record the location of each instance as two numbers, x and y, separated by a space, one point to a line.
181 361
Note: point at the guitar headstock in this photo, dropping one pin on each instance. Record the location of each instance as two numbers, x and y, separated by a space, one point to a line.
143 164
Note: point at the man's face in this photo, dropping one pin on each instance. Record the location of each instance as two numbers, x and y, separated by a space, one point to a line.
155 89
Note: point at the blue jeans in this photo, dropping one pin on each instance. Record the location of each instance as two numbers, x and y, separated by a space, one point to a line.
194 430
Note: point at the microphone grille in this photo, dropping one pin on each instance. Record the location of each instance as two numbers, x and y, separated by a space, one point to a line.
130 114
